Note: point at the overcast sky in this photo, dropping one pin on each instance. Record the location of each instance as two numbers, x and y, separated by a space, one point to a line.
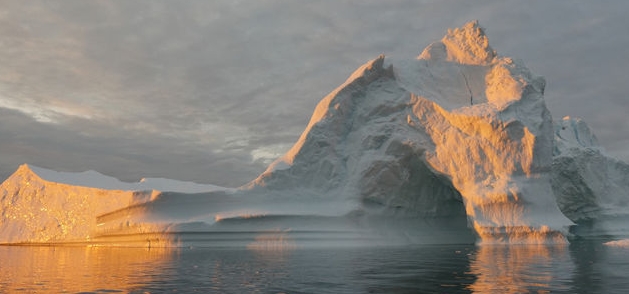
212 91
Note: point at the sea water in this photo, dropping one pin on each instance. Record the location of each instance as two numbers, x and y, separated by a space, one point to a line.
581 267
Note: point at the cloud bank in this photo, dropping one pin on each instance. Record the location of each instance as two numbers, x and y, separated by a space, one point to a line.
211 92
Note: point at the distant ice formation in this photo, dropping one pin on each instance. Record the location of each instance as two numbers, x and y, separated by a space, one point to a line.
591 188
456 145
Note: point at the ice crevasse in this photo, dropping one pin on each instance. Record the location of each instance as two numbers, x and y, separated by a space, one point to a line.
458 133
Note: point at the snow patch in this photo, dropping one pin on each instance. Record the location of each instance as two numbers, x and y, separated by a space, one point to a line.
95 179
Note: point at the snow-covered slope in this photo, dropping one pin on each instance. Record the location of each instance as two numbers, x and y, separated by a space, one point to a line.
453 145
94 179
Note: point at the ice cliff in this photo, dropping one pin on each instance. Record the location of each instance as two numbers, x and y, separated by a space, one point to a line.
42 206
453 145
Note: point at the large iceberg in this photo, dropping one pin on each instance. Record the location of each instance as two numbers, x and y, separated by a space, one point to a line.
458 130
456 145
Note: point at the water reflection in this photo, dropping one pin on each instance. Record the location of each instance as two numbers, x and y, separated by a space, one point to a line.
599 268
272 241
584 267
426 269
521 269
33 269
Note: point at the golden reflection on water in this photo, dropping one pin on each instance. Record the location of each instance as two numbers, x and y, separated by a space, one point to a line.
518 268
272 241
32 269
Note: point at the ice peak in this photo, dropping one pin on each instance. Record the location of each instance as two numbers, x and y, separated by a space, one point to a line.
24 171
573 133
465 45
368 70
24 168
362 76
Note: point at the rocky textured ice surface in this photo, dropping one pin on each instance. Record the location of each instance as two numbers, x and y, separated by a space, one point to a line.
591 187
457 131
42 206
453 146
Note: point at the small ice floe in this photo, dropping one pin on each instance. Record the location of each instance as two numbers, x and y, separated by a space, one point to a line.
618 243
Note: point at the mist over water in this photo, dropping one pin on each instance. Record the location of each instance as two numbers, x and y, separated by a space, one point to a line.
581 267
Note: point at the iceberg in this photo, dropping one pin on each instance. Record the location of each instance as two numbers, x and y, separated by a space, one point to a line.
453 146
44 206
457 131
591 187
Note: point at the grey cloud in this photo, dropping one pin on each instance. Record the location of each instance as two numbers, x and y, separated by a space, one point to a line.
126 155
196 90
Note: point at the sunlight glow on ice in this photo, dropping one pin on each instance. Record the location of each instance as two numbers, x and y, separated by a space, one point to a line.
455 146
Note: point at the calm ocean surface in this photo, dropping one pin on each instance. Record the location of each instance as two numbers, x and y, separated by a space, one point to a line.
584 267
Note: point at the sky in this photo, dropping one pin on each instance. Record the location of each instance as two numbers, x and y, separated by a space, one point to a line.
213 91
